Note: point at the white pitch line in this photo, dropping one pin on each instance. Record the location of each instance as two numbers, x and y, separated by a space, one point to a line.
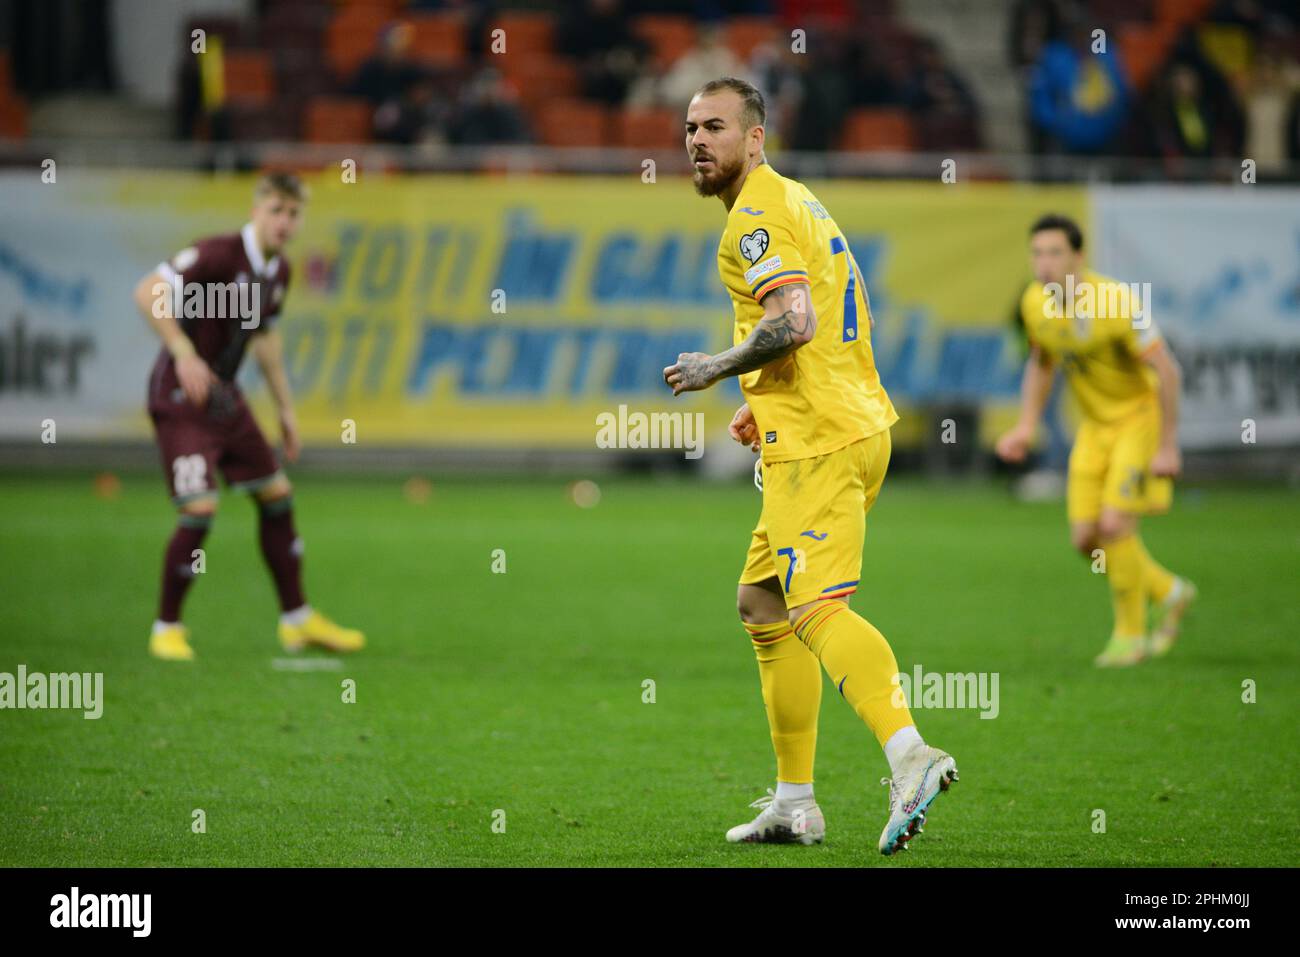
306 664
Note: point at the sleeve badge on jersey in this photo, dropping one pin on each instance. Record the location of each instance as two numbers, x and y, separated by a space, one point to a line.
762 269
753 245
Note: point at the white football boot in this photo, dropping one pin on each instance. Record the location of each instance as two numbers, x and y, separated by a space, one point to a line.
782 822
924 772
1171 613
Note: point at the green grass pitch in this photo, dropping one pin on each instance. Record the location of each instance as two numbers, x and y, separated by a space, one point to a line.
522 691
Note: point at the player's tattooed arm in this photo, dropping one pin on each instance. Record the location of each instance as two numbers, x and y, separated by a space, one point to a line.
788 323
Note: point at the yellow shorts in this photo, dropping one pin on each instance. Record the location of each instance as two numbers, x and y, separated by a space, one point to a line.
814 519
1110 467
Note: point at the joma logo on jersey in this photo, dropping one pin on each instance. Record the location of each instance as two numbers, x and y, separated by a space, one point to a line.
753 245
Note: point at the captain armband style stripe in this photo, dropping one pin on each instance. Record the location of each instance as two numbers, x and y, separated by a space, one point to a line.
779 279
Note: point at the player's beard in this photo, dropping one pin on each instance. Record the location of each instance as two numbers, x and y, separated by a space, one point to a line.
725 175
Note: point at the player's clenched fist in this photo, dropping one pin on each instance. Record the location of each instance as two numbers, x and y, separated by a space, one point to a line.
1013 446
743 428
693 372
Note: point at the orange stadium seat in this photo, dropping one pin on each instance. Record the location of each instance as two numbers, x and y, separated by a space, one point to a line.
743 34
249 77
1182 12
352 36
669 36
651 129
13 117
525 33
337 119
875 130
1143 49
439 38
537 78
391 9
573 123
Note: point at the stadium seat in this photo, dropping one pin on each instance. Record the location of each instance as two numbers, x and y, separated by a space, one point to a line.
573 123
1143 48
249 78
743 34
525 33
539 77
351 38
1181 12
669 37
337 119
439 39
13 117
877 131
651 129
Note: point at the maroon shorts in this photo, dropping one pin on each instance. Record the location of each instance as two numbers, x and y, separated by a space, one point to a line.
195 445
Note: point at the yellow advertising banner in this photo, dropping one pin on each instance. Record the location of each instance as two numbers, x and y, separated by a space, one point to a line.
493 311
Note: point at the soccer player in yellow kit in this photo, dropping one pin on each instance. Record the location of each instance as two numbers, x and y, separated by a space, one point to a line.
1125 456
816 409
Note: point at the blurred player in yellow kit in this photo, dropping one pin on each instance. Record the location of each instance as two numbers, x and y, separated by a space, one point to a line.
816 409
1125 456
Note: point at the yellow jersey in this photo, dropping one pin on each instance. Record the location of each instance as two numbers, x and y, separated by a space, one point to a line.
826 394
1090 329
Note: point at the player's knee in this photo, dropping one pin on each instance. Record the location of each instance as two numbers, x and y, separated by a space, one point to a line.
278 488
757 605
1113 525
204 507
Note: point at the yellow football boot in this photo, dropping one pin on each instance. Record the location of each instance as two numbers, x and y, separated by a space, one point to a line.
319 632
171 643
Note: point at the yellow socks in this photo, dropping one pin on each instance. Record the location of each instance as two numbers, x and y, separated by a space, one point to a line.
860 663
1128 590
1156 579
792 692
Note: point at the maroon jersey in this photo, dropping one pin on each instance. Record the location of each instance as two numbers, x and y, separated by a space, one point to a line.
224 292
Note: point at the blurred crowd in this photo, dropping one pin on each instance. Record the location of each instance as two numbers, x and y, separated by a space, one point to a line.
856 63
1196 80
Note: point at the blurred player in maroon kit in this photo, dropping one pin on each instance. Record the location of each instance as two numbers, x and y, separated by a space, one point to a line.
209 303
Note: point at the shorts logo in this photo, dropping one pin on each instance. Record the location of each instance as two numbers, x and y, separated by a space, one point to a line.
769 438
753 245
762 269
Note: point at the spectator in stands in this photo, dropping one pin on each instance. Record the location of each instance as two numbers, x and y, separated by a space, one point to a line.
775 72
1184 120
1270 94
708 59
1078 97
933 87
1194 111
397 87
872 83
487 111
1034 24
826 92
598 34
